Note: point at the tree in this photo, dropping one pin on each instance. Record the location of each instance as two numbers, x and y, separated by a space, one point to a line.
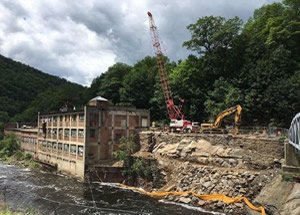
219 45
138 84
211 33
141 87
271 60
223 96
190 81
110 83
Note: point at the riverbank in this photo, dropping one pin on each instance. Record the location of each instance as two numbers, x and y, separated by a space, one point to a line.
49 193
21 159
213 164
5 210
10 153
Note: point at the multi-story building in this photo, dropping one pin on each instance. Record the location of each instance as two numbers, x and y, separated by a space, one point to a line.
74 139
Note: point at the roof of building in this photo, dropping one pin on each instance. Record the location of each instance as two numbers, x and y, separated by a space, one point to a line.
99 98
29 130
62 113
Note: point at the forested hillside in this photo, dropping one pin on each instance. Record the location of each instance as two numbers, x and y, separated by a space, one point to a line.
255 64
24 91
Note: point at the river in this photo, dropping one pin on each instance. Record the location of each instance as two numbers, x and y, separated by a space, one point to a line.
49 193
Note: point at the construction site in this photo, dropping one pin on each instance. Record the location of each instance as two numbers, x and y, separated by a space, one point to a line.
219 166
229 166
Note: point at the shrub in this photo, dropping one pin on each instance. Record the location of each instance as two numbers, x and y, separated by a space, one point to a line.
9 145
133 167
19 155
28 156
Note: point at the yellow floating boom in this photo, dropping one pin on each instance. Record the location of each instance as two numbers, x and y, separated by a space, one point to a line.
208 197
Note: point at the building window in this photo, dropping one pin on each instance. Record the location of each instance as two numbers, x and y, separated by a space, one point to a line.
73 133
67 133
44 148
49 146
123 123
59 146
73 149
81 117
144 122
74 117
80 151
54 146
66 147
54 133
81 133
92 133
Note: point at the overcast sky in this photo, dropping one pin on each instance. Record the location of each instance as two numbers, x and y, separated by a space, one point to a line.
79 39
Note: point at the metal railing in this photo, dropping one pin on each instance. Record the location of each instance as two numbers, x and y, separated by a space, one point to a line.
294 132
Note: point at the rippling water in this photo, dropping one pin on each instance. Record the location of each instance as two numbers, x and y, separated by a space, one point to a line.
48 193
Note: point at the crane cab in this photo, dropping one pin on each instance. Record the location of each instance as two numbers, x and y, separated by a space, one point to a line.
181 125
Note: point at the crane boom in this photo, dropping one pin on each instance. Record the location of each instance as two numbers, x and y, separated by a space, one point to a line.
174 111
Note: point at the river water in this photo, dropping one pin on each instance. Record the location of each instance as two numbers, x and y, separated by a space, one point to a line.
48 193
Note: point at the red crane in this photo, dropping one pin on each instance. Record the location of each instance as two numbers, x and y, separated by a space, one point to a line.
175 114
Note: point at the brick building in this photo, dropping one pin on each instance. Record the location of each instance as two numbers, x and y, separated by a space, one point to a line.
75 139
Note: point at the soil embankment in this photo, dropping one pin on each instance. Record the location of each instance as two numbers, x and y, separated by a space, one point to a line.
209 164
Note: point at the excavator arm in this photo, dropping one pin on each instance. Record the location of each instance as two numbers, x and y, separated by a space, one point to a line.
218 121
236 109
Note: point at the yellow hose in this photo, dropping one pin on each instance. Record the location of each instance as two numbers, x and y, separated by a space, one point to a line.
208 197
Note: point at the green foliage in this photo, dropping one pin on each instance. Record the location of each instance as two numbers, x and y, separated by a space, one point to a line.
133 167
5 210
223 96
136 86
110 83
138 83
211 33
267 78
24 91
10 152
126 148
9 145
9 212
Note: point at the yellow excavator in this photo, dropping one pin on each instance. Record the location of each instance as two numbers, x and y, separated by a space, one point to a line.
217 123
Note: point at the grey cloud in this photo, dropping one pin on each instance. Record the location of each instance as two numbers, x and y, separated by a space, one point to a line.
79 40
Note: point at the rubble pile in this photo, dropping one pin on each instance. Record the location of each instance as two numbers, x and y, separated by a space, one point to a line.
211 180
214 165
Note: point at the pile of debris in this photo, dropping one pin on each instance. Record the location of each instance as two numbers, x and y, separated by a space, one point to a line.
212 180
213 165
